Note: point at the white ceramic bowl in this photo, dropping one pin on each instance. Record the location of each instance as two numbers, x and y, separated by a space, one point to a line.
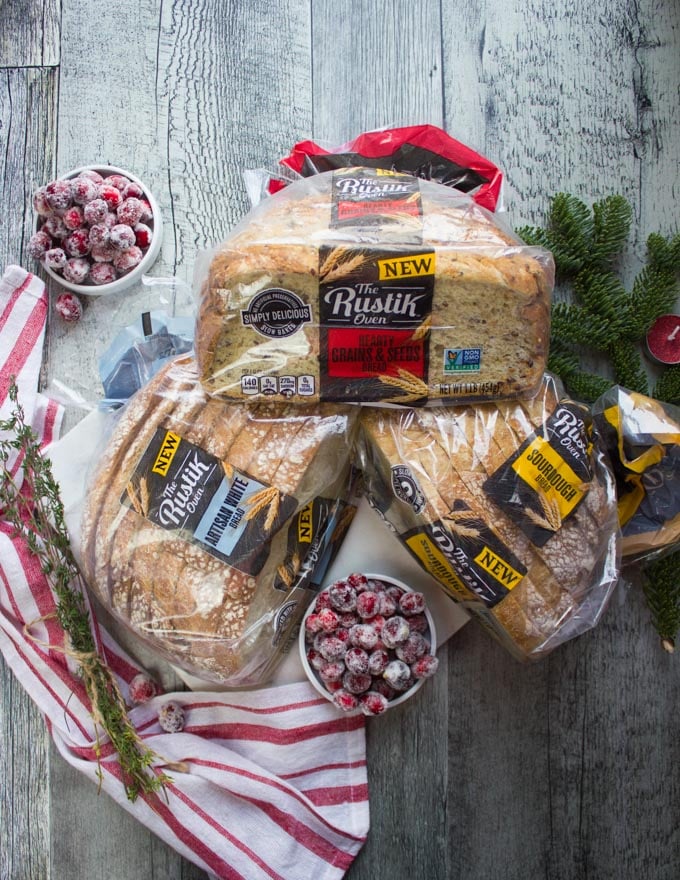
313 675
149 258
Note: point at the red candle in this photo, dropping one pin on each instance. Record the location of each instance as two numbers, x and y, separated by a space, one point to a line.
663 339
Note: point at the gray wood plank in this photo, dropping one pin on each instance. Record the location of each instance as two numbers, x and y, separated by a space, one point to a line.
547 94
375 65
27 117
24 773
30 33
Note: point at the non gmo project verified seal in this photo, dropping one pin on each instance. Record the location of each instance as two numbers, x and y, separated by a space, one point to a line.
462 360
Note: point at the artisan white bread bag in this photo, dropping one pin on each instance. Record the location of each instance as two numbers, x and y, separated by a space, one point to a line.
365 285
205 522
510 505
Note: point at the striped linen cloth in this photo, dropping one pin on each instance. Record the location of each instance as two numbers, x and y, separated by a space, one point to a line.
273 781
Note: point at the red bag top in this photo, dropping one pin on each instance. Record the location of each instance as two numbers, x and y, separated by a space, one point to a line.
422 150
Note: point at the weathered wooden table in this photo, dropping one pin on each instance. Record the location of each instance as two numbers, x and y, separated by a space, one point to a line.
567 769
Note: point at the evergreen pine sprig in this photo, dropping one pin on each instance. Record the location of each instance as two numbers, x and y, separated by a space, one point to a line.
661 587
602 314
37 515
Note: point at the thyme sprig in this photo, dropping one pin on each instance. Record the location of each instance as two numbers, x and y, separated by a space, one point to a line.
36 514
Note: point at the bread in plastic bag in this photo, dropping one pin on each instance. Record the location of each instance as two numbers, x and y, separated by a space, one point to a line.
642 437
206 522
509 505
361 285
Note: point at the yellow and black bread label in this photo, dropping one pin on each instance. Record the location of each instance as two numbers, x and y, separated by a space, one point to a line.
168 448
406 267
466 557
543 483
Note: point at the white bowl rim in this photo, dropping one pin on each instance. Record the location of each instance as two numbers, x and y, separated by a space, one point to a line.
149 257
311 675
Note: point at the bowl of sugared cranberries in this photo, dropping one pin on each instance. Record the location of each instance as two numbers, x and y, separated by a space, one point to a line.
98 229
368 642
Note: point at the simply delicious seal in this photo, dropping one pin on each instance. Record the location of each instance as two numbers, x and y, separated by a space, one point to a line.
406 488
276 313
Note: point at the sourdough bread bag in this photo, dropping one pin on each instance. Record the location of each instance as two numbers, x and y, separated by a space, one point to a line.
208 525
509 505
366 285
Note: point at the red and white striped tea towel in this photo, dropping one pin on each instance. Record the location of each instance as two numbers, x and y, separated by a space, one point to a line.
276 778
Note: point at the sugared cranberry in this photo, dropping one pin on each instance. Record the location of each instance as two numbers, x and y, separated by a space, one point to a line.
397 674
55 259
412 649
368 604
363 635
382 687
126 260
328 619
345 701
313 624
103 253
418 623
142 689
122 236
130 211
40 203
55 227
395 631
76 270
38 244
110 195
58 194
356 660
99 234
377 661
386 604
356 683
77 244
331 648
348 619
425 666
118 180
322 601
93 175
171 717
343 596
332 671
358 581
342 633
102 273
143 235
373 703
132 190
147 213
73 218
84 190
412 603
68 307
316 660
95 211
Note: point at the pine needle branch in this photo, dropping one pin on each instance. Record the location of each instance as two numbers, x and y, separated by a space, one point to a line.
662 590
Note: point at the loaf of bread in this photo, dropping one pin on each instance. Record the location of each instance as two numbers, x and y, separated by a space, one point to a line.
509 505
190 530
365 286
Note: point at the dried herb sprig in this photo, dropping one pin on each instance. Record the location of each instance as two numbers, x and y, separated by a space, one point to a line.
36 513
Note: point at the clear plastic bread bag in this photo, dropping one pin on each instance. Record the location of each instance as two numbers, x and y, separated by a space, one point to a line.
511 506
642 436
208 526
364 285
